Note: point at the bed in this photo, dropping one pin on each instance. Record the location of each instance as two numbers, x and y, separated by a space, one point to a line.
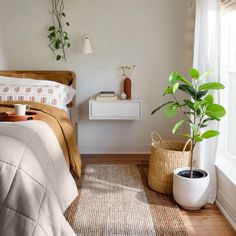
37 158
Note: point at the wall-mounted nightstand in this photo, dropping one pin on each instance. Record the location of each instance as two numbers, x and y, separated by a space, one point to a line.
115 110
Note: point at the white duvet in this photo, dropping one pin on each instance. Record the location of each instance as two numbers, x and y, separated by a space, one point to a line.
35 183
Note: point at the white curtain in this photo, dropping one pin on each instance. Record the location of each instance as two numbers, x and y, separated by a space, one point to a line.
206 57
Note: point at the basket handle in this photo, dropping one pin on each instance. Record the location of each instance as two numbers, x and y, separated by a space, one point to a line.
186 144
155 135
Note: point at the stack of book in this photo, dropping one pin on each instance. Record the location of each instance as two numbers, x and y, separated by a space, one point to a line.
106 95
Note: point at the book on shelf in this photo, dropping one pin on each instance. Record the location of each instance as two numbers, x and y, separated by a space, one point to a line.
106 98
107 94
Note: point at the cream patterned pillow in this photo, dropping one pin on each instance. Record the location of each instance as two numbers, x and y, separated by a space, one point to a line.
47 94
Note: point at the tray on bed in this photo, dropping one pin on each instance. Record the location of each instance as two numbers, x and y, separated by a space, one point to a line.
12 117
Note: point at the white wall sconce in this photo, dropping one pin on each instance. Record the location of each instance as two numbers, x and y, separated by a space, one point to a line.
87 48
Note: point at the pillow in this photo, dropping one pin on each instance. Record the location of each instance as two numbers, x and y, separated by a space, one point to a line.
44 91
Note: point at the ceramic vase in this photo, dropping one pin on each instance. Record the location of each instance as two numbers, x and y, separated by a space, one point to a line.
127 87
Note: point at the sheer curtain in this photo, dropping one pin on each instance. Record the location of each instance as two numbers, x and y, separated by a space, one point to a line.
206 57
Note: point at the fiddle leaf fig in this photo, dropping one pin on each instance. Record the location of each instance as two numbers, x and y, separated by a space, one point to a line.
197 105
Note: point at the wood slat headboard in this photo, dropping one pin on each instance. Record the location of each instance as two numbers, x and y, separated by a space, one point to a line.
63 77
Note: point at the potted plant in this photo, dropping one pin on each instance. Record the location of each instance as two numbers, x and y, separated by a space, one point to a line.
190 185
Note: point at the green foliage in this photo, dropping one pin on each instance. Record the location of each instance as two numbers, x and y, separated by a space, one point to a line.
58 37
198 105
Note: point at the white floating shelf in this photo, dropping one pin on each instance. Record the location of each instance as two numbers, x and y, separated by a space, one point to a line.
115 110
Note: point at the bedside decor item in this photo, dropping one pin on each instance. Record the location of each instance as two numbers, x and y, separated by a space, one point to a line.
87 48
12 117
127 71
123 96
20 109
166 156
58 37
190 185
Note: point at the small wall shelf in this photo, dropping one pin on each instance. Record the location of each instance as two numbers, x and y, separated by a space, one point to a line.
115 110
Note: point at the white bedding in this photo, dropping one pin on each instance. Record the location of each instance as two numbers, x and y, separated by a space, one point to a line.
35 183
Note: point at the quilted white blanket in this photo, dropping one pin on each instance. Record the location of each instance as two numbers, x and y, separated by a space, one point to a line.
35 184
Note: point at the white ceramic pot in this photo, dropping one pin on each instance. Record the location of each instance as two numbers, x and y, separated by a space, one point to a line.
191 194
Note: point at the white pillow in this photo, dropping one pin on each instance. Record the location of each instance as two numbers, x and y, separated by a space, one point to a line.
62 94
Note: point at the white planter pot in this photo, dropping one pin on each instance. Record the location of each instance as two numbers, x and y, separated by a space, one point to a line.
191 194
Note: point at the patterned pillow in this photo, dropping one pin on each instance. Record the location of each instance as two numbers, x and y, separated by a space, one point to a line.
47 94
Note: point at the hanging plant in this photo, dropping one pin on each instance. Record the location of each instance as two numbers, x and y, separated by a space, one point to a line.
58 37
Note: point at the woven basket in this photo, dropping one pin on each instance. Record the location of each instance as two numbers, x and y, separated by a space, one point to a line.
165 157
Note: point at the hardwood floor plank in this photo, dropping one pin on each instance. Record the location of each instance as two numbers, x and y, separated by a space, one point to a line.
207 221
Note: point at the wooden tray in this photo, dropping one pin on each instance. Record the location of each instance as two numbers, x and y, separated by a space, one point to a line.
12 117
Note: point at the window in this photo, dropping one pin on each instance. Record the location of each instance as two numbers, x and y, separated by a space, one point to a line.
228 77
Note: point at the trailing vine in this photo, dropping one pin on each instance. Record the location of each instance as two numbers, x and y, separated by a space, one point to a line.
58 37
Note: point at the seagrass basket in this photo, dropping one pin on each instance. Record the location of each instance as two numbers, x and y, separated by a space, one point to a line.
166 156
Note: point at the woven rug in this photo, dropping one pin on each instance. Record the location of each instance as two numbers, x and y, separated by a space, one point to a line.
115 200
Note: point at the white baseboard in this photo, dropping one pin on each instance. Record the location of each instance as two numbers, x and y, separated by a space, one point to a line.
113 149
226 209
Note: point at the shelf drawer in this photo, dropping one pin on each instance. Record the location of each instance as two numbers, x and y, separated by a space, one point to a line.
115 110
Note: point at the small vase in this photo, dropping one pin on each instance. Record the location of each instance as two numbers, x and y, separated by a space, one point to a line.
127 87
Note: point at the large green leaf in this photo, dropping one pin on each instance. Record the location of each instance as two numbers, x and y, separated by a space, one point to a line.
194 73
215 111
209 99
177 126
211 86
158 108
170 110
210 134
188 89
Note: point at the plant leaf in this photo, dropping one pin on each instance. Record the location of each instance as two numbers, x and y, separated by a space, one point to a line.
57 43
209 99
67 23
194 73
215 111
211 86
158 108
181 78
189 104
58 57
175 87
198 104
210 134
177 126
170 111
168 90
51 28
173 78
197 138
201 94
188 89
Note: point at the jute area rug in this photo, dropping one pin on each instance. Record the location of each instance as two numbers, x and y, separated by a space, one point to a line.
115 200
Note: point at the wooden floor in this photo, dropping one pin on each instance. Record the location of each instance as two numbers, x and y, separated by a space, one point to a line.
205 222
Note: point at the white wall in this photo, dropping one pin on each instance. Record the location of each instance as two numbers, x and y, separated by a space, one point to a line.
147 33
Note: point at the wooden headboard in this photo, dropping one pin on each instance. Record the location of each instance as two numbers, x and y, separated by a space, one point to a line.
63 77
